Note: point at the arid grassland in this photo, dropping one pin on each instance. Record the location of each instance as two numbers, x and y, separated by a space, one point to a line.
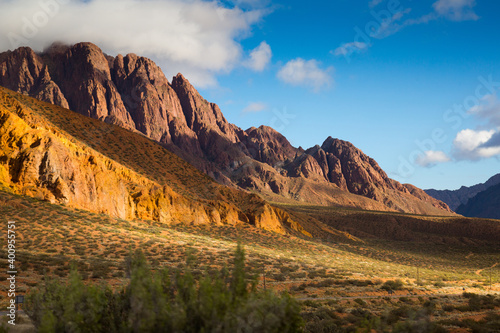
342 282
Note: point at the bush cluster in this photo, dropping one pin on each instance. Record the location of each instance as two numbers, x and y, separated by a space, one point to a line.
163 301
392 285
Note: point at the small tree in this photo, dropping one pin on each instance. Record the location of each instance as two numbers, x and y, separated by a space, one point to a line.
70 307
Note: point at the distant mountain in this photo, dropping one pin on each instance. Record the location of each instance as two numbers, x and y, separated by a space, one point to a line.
132 92
484 204
459 197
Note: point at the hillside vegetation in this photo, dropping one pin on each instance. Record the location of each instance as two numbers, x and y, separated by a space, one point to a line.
55 154
326 274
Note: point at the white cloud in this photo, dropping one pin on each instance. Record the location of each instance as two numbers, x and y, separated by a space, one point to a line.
472 145
255 107
349 48
300 72
198 38
390 25
431 158
456 10
259 57
488 109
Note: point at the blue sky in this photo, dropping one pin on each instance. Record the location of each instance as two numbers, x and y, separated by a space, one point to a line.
392 96
413 84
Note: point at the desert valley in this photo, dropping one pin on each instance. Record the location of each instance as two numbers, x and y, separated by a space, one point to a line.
102 155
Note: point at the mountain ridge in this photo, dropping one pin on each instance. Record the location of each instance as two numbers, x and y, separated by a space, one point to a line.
42 159
484 204
455 198
132 92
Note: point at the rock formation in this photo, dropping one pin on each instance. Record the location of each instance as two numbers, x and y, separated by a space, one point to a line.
45 154
132 92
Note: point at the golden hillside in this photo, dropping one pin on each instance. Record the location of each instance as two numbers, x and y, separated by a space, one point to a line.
54 154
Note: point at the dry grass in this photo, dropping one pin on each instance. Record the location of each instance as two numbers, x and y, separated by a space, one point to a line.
51 237
351 256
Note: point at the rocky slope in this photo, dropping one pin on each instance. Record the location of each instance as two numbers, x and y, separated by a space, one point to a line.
132 92
484 204
455 198
57 155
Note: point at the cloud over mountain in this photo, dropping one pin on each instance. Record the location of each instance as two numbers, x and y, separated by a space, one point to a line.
198 38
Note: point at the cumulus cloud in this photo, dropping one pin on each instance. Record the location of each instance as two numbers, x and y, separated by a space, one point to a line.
349 48
300 72
456 10
431 158
493 142
255 107
259 57
198 38
473 145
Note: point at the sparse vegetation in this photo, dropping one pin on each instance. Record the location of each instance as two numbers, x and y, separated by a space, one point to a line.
340 270
171 301
392 285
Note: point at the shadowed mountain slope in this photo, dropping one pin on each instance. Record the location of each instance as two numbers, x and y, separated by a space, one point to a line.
484 204
455 198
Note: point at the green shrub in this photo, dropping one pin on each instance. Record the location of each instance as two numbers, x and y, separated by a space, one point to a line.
163 301
439 284
360 301
404 299
448 308
421 325
392 285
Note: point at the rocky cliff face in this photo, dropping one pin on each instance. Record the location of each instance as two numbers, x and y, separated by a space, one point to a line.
133 93
42 159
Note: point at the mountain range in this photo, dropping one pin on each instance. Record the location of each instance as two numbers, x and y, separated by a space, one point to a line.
132 92
484 204
455 198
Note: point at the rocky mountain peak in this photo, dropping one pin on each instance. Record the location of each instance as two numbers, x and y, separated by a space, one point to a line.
200 114
90 59
20 70
132 91
267 145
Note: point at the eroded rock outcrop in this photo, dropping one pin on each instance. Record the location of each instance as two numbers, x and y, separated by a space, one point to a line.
41 159
132 92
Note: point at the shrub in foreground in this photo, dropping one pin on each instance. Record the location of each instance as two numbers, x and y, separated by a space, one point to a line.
163 301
